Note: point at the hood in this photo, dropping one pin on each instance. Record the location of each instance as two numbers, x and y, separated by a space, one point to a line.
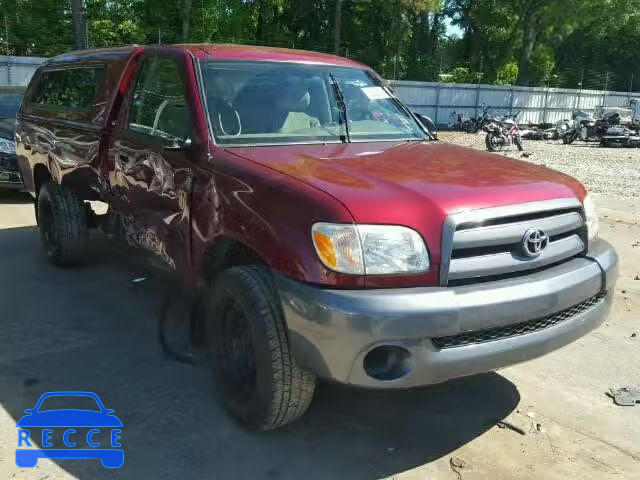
379 181
7 128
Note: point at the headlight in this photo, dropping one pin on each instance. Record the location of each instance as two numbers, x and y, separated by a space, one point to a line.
7 146
592 218
370 249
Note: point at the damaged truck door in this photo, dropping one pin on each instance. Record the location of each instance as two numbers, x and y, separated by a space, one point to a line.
152 170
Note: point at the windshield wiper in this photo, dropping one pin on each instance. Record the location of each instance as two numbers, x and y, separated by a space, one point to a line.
343 106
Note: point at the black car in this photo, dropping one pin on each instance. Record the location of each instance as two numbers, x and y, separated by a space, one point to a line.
10 176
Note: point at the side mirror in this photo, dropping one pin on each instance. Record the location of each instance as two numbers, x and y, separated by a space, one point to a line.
179 144
428 124
109 411
29 411
387 84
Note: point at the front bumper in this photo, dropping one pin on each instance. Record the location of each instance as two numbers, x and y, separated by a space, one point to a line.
332 331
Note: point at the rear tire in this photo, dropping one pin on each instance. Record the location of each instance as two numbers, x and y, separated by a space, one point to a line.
569 138
492 146
471 127
62 220
259 381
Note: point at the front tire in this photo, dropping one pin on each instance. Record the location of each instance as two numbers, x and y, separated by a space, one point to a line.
62 220
259 381
517 139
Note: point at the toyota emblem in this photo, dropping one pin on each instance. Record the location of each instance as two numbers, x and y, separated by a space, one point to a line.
534 242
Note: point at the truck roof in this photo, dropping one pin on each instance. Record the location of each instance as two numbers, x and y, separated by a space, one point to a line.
250 52
216 51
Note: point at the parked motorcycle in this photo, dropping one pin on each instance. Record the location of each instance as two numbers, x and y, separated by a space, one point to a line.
457 121
545 131
589 129
621 136
503 132
474 125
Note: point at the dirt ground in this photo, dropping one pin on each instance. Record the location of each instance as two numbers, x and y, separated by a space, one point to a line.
91 328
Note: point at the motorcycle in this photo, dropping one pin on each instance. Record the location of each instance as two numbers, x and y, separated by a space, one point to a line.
554 132
589 129
503 132
621 136
457 121
474 125
561 128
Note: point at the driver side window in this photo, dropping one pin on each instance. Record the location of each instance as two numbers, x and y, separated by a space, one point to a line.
159 107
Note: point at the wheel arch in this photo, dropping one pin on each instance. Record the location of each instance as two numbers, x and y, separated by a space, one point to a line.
41 174
226 252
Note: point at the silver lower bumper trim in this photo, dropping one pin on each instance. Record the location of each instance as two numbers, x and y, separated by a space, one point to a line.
331 331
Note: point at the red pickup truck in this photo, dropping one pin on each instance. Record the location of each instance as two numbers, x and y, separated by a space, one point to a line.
327 231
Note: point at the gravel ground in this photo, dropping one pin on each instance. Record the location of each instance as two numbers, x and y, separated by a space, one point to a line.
611 172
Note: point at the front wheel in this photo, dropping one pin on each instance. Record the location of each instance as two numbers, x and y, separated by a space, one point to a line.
259 381
518 141
493 142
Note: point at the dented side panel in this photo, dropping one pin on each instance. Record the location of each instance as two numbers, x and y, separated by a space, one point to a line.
150 184
65 141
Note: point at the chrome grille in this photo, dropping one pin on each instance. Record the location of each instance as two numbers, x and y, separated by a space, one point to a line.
516 329
486 243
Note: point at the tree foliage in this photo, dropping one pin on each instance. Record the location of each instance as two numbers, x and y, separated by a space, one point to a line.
539 42
508 74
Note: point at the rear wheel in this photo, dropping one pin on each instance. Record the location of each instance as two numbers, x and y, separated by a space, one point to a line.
470 127
569 138
259 381
62 220
493 142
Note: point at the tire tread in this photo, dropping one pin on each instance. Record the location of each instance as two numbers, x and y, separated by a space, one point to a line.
70 223
292 387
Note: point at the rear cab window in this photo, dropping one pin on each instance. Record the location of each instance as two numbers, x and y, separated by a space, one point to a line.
73 92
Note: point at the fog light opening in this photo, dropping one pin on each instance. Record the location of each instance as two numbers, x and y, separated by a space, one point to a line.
387 362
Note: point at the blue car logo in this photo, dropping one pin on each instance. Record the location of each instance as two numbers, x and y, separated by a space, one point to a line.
65 421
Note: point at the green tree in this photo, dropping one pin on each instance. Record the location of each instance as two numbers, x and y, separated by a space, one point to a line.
538 41
460 75
36 27
508 74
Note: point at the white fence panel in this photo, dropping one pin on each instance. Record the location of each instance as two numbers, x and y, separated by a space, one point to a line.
17 71
535 104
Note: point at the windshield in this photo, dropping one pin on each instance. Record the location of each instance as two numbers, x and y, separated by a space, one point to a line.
266 103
